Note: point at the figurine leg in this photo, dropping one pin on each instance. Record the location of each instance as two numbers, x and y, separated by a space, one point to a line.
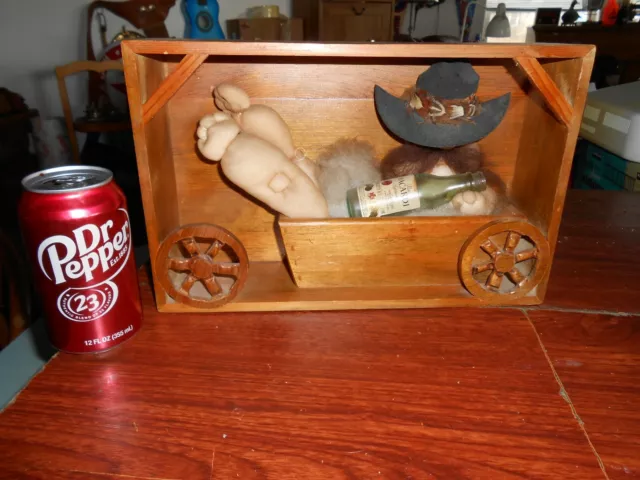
263 171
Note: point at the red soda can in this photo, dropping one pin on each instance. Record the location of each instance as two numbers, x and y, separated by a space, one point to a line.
75 224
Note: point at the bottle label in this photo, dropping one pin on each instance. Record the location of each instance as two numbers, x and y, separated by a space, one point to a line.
389 196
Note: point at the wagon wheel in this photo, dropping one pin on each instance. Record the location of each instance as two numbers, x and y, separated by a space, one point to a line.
187 257
504 259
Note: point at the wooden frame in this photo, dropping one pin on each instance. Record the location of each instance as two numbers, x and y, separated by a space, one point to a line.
169 89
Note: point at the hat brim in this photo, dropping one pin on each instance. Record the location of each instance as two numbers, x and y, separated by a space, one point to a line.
409 126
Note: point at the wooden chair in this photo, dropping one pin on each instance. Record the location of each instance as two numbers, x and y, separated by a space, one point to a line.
82 125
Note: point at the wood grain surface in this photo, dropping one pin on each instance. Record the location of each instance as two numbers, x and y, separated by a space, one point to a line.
597 259
340 252
170 82
553 96
598 360
564 73
406 394
187 66
162 47
444 394
545 158
547 147
156 169
270 288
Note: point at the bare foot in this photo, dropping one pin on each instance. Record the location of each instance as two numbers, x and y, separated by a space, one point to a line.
475 203
231 99
209 121
215 134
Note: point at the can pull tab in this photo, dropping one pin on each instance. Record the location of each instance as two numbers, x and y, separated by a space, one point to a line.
71 181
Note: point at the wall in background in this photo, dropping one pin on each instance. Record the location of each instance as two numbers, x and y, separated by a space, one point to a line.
38 35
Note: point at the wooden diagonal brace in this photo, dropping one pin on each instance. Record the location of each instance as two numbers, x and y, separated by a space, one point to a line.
171 84
555 99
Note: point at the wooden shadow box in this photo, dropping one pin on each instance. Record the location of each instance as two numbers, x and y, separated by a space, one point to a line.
214 248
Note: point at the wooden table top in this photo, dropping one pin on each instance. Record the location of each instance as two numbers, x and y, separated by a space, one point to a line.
547 392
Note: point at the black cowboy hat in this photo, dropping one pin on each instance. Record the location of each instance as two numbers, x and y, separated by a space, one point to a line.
443 111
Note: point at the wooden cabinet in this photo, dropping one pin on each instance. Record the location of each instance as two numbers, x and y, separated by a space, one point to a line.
335 21
616 42
355 21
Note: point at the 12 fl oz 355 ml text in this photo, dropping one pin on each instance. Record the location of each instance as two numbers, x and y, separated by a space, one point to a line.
108 338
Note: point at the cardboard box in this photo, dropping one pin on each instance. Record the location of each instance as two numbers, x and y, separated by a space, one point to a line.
265 29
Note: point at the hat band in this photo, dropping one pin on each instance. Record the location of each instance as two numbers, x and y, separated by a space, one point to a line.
440 110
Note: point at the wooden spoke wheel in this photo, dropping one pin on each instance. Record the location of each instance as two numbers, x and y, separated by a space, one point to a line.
196 265
504 259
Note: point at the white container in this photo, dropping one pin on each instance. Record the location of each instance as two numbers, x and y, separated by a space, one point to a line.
611 120
51 142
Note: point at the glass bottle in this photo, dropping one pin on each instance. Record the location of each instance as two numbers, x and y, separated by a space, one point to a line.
401 195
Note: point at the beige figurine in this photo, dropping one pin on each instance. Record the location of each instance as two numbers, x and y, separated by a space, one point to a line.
256 151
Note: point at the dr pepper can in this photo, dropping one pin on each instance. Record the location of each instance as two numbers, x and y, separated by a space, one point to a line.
75 225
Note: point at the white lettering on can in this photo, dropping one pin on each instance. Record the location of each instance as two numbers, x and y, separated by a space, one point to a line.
87 251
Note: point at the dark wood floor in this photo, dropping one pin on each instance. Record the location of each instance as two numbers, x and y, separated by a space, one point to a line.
598 255
550 392
597 357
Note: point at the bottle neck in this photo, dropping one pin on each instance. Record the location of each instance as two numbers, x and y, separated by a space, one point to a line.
475 181
478 182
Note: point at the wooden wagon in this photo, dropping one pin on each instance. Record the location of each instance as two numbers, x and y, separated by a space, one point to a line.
214 248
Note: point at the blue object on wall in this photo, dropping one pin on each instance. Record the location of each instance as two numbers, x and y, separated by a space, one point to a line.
202 19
